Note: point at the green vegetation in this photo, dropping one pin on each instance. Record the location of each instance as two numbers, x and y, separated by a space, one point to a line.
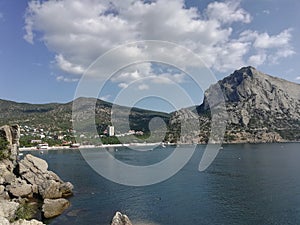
26 210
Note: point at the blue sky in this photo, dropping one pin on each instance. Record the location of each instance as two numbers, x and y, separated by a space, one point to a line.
46 46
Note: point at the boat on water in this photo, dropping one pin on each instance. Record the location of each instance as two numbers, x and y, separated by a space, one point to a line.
163 145
43 146
74 145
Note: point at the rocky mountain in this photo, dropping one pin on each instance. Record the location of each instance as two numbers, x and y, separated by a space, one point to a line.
56 116
260 108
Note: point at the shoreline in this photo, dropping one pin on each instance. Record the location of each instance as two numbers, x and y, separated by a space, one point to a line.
89 146
139 145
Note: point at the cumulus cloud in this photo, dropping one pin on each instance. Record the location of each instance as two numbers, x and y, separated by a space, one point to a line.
66 79
105 97
269 48
67 66
228 12
79 32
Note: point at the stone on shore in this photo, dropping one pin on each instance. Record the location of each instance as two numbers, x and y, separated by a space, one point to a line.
54 207
4 221
20 188
8 209
120 219
26 180
45 182
27 222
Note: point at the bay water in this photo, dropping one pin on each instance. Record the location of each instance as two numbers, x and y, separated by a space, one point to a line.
246 184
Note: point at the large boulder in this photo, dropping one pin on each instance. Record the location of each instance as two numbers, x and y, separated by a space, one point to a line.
54 207
120 219
8 209
45 182
20 188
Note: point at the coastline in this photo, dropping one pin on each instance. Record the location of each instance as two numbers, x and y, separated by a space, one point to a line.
21 149
53 148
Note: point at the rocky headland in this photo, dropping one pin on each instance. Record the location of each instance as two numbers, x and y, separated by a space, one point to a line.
260 108
28 189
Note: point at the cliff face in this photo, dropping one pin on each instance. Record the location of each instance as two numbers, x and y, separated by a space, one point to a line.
24 183
12 135
260 108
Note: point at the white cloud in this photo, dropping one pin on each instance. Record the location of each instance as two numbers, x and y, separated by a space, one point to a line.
266 11
143 87
270 48
123 85
65 79
68 66
105 97
266 41
258 59
78 32
298 78
228 12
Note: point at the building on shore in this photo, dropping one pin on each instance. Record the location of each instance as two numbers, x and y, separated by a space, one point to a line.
111 131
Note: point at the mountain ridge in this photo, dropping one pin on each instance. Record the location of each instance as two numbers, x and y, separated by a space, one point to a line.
260 107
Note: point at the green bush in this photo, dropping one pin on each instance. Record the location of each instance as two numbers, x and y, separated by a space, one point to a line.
26 211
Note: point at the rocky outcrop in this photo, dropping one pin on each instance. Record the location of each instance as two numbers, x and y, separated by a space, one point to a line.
260 108
54 207
12 135
8 209
27 180
4 221
120 219
46 183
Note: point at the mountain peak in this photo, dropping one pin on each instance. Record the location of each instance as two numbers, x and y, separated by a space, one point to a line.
248 86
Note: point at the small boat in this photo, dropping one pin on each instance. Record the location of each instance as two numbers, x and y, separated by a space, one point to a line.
42 146
75 145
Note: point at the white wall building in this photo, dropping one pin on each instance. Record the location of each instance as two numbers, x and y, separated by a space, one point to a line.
111 131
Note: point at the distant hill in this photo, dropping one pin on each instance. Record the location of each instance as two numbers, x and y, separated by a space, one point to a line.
261 108
57 116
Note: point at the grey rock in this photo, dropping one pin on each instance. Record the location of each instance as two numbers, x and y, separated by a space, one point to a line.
66 189
54 207
45 182
2 189
50 189
12 135
4 221
27 222
120 219
8 209
260 108
19 188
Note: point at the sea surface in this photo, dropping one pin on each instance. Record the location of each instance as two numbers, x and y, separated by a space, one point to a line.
246 184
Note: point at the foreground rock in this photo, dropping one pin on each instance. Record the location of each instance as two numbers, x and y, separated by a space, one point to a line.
46 183
54 207
120 219
26 182
4 221
8 209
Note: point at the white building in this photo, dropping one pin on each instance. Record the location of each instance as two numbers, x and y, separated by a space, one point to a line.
111 131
